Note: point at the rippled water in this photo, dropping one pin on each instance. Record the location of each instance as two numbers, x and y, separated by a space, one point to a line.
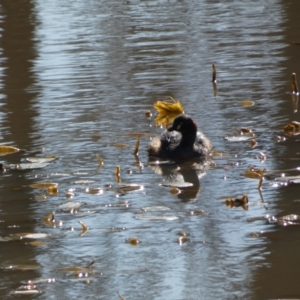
77 78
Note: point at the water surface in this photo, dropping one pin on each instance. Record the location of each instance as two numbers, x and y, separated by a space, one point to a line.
76 80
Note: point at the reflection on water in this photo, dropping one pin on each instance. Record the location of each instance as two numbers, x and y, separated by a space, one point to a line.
183 178
76 78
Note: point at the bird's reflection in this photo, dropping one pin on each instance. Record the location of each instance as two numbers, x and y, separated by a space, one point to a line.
185 176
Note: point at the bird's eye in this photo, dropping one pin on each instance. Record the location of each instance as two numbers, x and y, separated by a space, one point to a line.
179 126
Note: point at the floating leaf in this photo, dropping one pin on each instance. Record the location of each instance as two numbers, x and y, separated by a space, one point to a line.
154 218
198 212
37 243
236 202
49 219
254 173
52 190
247 103
178 184
81 271
253 143
33 235
28 166
148 114
171 107
94 191
84 182
165 118
182 238
40 280
21 267
219 154
76 269
41 160
155 208
292 128
120 145
133 241
69 205
237 138
279 138
100 160
27 292
41 197
43 185
262 157
125 189
84 228
69 195
8 150
246 131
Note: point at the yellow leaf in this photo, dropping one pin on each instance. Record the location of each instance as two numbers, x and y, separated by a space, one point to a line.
43 185
8 150
292 128
163 106
252 174
165 118
247 103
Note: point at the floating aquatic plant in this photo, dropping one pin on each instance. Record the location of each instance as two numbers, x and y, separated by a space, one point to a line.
148 114
100 160
125 189
255 174
133 241
253 143
292 128
167 111
42 160
247 103
94 191
153 218
169 107
43 185
8 150
84 228
240 138
246 131
237 202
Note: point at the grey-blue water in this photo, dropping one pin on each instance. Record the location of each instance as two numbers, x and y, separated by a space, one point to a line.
76 79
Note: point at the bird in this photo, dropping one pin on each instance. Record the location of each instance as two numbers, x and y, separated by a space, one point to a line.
181 141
